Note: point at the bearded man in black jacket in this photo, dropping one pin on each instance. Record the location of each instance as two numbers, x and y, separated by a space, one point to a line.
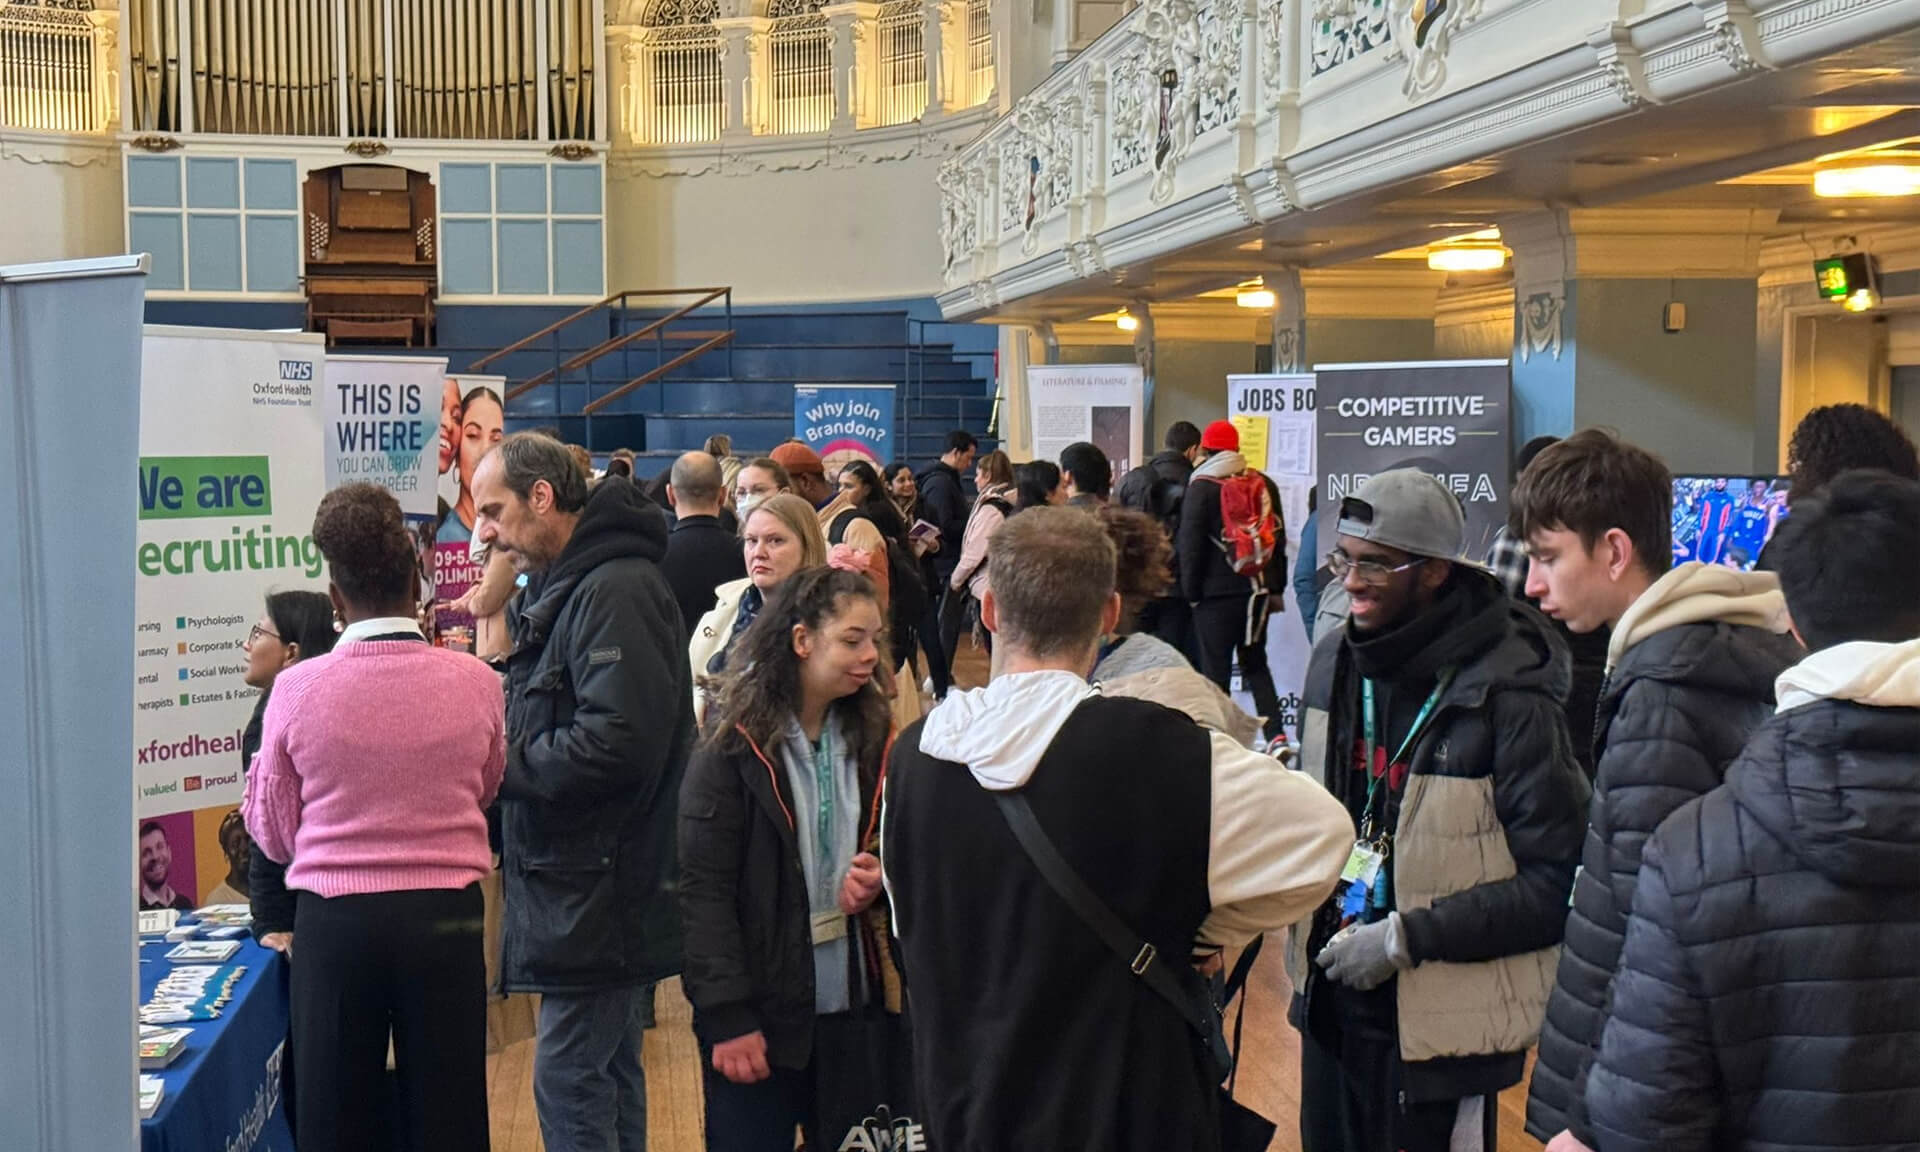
599 722
1436 716
1769 991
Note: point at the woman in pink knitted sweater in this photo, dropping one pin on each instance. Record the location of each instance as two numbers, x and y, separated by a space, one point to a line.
377 763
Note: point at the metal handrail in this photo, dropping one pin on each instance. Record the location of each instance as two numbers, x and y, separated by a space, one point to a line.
656 373
620 297
614 344
549 330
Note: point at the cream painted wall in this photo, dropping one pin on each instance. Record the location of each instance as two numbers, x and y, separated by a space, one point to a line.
868 231
59 198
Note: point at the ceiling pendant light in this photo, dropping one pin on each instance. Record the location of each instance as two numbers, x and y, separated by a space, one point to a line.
1870 175
1256 295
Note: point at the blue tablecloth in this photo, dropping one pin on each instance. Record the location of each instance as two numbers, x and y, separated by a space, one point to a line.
223 1093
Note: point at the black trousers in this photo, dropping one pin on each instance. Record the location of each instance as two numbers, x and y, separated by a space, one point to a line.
1233 628
1351 1101
405 964
755 1117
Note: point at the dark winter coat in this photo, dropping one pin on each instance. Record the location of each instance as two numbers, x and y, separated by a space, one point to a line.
744 899
271 903
1487 835
1200 560
944 504
599 723
1769 994
701 556
1675 712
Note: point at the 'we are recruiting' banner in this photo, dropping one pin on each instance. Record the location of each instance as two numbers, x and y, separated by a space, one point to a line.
230 475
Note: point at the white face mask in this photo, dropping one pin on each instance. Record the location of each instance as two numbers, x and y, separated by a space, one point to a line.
745 504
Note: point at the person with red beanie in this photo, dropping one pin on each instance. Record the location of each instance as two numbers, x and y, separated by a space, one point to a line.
1231 551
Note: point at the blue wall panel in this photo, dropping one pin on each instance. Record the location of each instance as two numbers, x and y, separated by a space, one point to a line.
466 188
466 257
520 187
523 257
577 258
273 254
576 190
213 183
270 186
158 233
213 252
153 182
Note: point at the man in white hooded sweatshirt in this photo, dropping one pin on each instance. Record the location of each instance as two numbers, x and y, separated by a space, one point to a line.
1769 993
1029 1030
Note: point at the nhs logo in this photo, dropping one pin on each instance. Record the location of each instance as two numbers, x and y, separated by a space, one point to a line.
296 369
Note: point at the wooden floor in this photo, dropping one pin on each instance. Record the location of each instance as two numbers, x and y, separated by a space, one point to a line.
1269 1066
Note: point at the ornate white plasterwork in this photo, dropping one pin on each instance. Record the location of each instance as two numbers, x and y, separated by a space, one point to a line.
1199 44
1541 323
1423 32
1127 113
1343 30
1273 45
959 216
872 146
1736 35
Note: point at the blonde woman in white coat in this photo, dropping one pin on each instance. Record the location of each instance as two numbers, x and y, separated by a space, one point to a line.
779 538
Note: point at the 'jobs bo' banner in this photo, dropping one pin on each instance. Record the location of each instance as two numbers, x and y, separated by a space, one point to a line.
1447 418
1275 418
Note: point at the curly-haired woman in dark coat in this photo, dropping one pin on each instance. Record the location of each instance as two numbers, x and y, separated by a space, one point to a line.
779 866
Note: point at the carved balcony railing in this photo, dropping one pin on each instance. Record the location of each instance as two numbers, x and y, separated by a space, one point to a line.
1192 119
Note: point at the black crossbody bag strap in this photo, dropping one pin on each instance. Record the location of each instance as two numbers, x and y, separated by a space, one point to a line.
1177 985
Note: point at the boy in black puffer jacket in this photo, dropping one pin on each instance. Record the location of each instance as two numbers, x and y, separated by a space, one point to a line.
1769 994
1690 674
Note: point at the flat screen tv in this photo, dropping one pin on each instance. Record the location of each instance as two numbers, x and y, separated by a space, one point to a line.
1726 520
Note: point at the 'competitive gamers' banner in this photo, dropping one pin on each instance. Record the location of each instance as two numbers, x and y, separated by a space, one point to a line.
1449 418
845 422
230 475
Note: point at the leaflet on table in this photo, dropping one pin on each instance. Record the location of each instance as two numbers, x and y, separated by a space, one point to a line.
204 951
152 1088
160 1047
191 992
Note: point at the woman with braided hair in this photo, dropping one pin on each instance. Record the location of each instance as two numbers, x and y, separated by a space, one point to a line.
377 763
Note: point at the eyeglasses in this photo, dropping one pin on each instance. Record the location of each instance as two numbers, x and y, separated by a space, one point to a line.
1371 572
253 636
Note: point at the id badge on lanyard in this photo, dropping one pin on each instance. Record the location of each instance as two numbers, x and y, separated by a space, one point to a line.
1366 882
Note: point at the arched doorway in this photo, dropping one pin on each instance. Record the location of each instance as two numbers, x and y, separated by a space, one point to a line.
371 254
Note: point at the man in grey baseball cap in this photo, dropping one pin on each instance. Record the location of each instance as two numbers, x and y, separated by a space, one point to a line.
1421 984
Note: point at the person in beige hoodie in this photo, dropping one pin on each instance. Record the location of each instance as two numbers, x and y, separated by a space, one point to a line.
1690 675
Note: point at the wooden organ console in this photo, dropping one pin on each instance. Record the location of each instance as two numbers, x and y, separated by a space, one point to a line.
371 265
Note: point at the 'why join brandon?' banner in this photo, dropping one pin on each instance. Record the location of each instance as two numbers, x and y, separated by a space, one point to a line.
230 474
845 422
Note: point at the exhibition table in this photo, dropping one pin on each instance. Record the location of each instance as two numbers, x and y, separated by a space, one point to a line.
223 1093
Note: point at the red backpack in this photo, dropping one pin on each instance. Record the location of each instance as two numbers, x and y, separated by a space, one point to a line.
1249 525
